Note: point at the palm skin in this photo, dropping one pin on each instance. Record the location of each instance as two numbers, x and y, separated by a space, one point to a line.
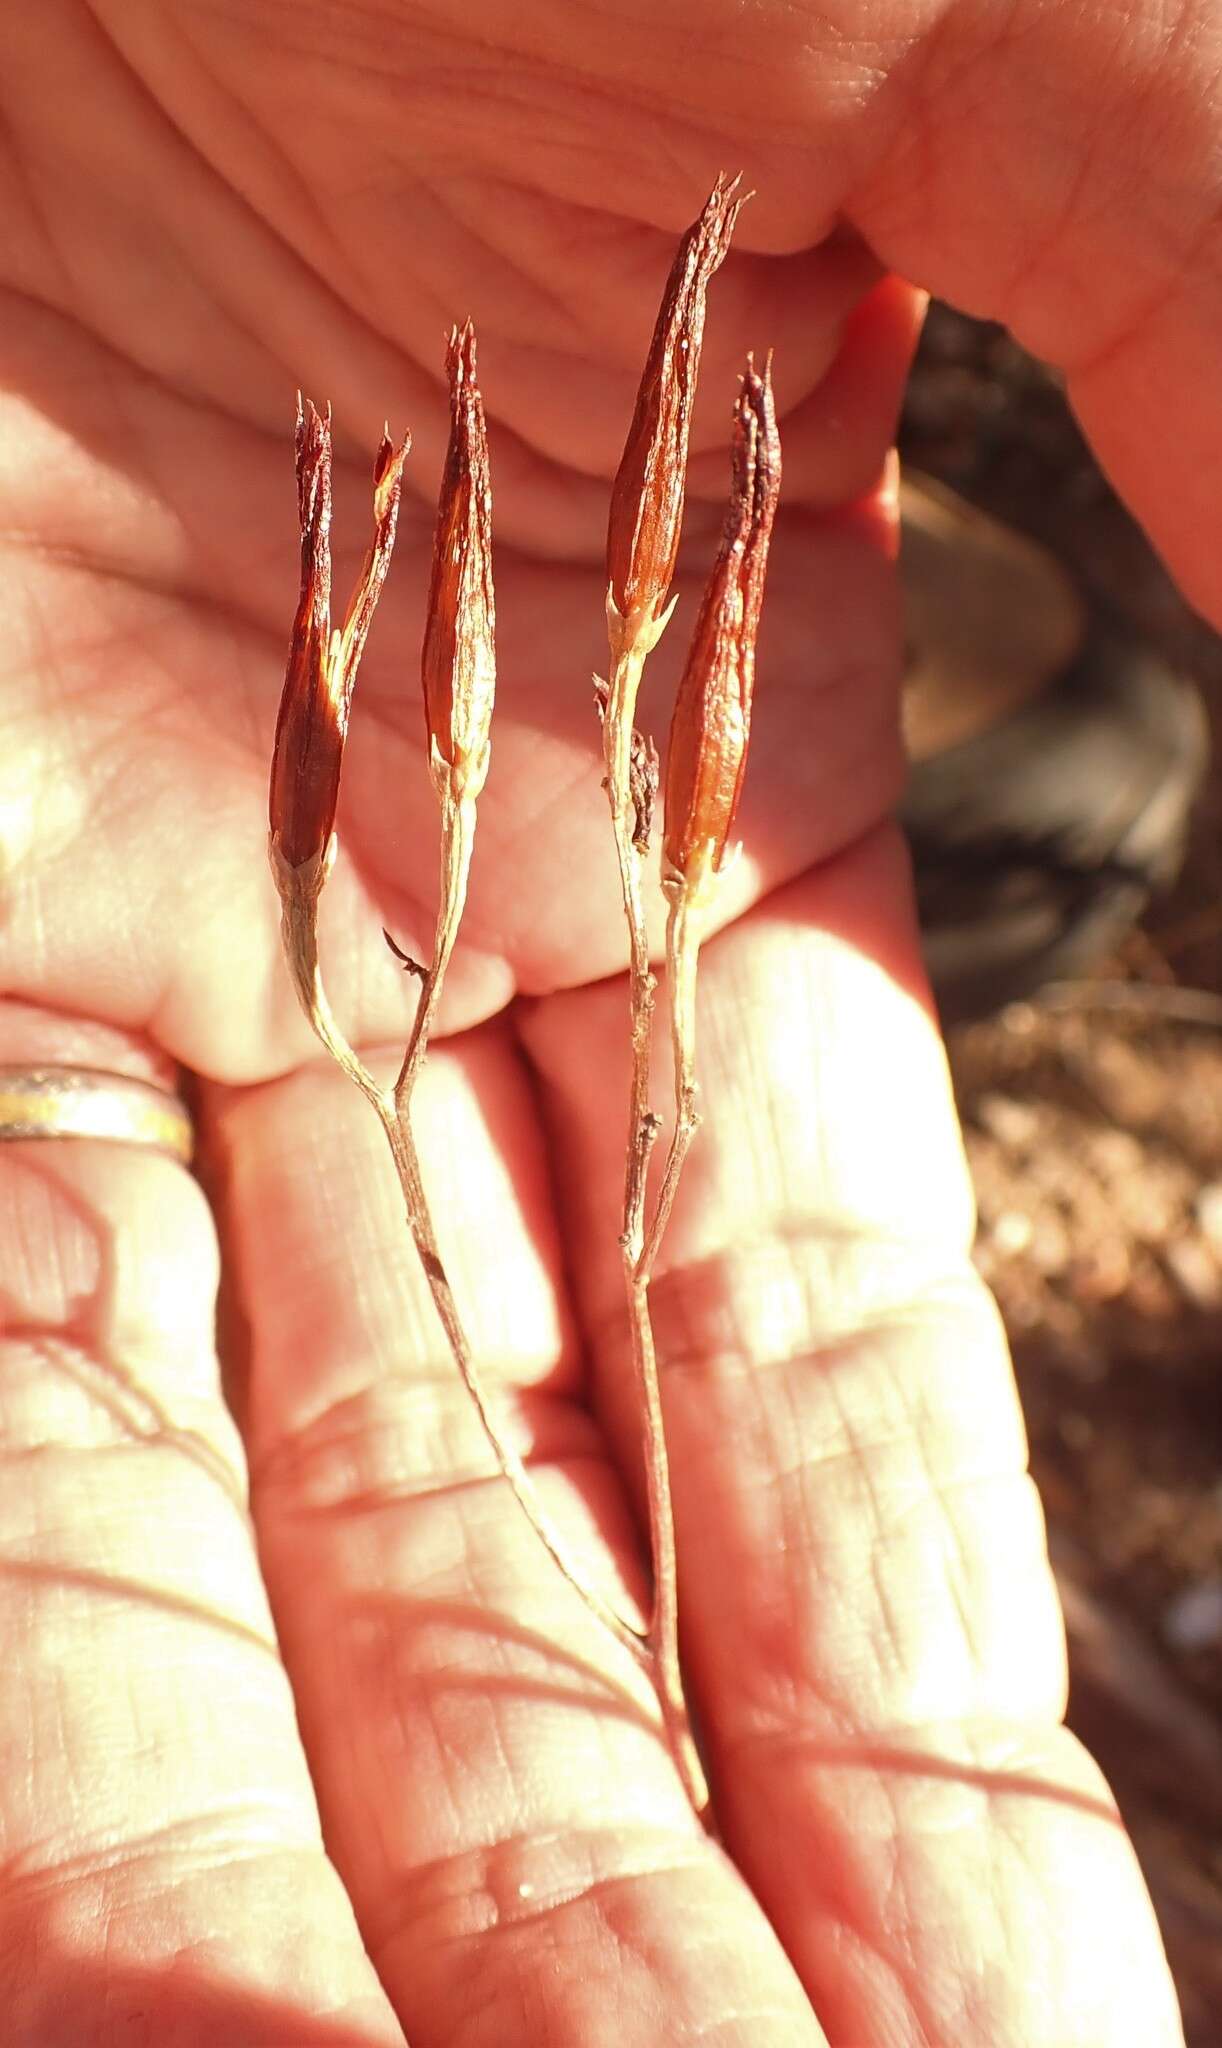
426 1799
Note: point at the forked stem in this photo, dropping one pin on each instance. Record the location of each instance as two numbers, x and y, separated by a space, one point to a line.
622 691
629 650
299 891
683 935
457 840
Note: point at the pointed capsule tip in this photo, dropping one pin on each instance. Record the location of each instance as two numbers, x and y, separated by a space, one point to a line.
461 357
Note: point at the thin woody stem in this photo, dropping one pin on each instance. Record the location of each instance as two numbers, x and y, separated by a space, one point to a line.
642 1124
299 900
457 840
299 889
407 1164
682 949
664 1621
683 936
624 682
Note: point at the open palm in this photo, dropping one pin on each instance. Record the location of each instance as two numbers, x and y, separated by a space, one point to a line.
351 1762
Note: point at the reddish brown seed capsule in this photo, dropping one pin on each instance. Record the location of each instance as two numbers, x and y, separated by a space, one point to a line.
458 661
711 725
647 496
309 739
313 721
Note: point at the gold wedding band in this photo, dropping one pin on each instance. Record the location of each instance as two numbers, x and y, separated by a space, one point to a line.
79 1102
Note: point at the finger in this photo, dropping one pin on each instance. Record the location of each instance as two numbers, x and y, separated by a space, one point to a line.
870 1625
492 1782
834 432
162 1862
1060 173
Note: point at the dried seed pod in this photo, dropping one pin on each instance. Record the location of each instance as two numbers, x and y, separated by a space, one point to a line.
711 725
313 720
458 661
647 496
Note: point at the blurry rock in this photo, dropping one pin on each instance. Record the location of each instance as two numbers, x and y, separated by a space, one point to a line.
1014 1124
1196 1272
1150 1203
1209 1213
1193 1620
1011 1233
1077 1430
1116 1154
1103 1273
1050 1249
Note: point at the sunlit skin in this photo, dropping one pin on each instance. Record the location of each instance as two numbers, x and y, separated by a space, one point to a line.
434 1804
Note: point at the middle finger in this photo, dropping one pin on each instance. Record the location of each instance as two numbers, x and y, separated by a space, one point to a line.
493 1786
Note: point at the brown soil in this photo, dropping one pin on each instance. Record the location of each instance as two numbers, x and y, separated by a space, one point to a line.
1094 1130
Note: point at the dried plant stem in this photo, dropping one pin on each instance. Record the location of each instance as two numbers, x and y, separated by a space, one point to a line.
299 891
682 953
683 935
664 1620
643 1125
457 840
628 660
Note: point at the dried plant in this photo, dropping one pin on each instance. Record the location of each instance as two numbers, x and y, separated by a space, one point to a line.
707 753
706 756
642 546
458 672
459 679
643 532
313 722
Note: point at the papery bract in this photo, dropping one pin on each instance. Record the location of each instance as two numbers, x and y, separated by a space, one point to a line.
458 662
647 496
312 725
711 725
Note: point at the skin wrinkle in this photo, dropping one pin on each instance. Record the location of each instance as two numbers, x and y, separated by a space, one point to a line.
195 1843
304 203
928 1282
198 398
1086 370
481 1890
412 478
589 1919
191 149
412 475
932 1491
271 440
1140 87
193 275
553 1430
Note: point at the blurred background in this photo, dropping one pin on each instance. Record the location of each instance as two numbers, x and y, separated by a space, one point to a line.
1093 1120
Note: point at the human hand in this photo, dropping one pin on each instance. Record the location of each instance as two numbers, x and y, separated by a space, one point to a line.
205 207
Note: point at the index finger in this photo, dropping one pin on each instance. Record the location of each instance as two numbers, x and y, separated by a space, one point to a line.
871 1630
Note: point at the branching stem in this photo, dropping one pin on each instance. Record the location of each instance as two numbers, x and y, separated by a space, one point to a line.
683 935
629 650
299 892
457 839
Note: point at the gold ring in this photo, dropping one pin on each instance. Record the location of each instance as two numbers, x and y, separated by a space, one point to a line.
79 1102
